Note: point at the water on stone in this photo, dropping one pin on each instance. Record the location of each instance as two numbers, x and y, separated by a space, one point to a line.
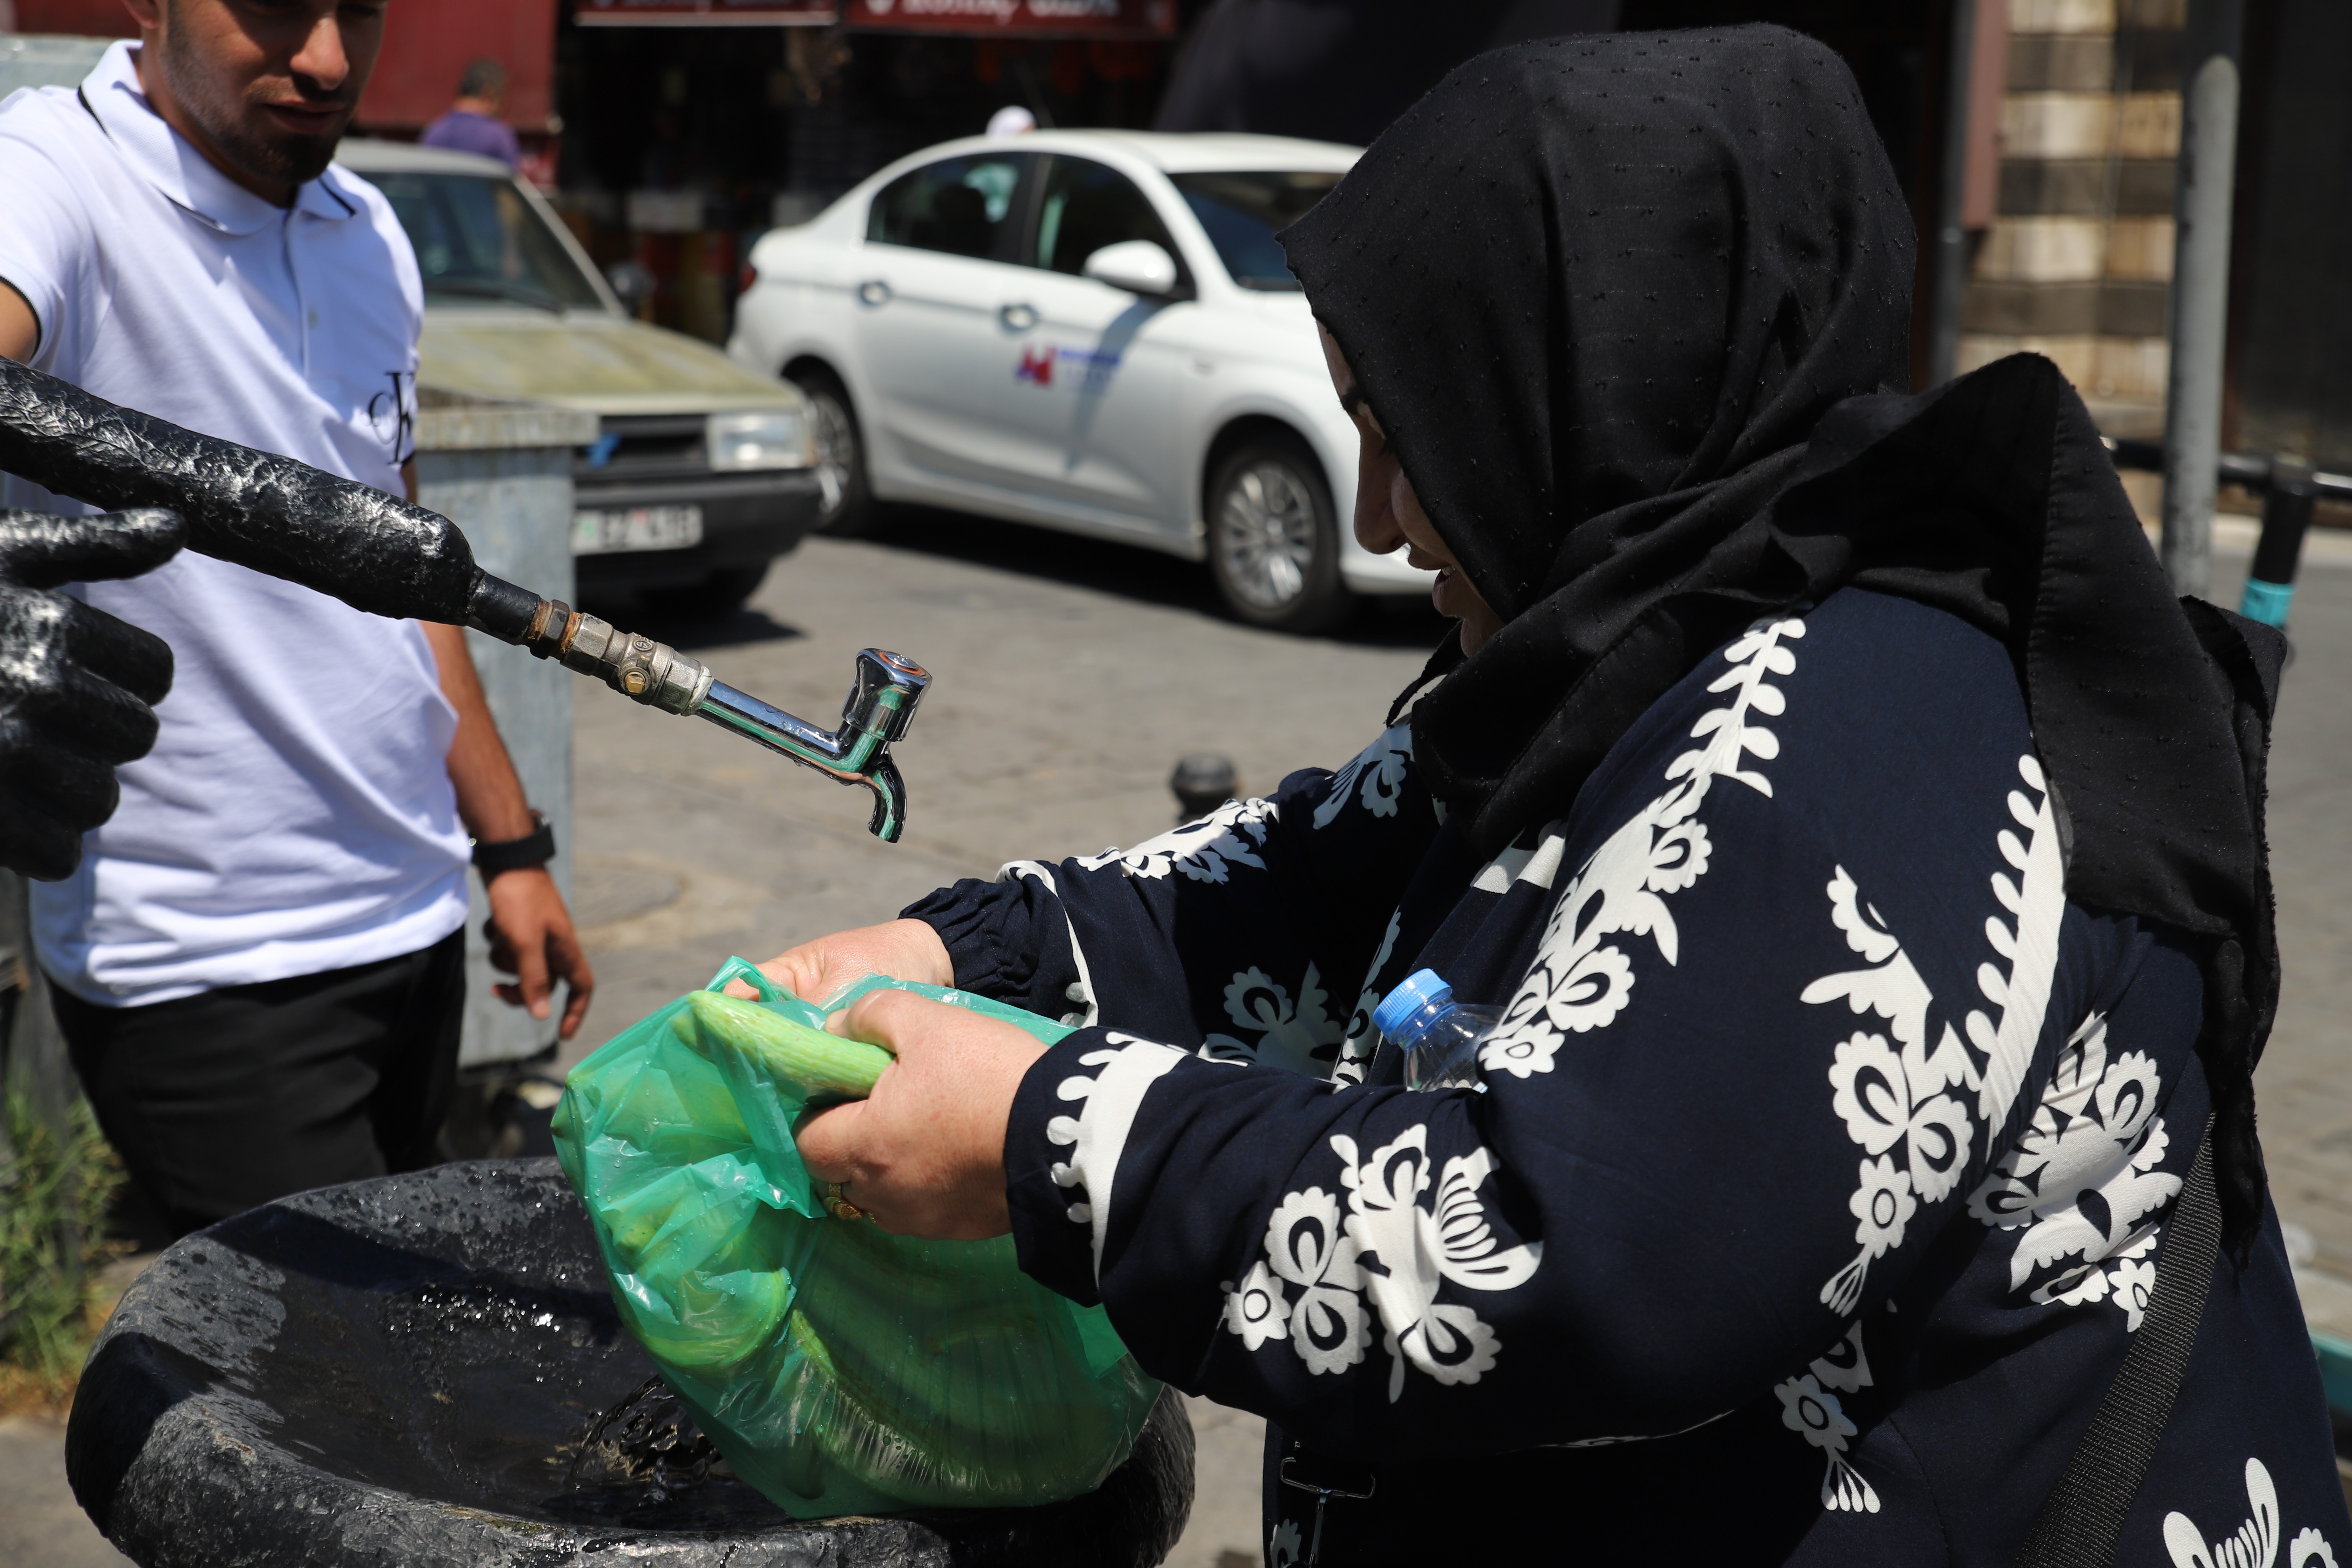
645 1462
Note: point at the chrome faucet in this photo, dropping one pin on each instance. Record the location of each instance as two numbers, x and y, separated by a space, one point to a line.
880 705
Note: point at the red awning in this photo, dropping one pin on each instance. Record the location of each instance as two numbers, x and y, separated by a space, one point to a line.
706 13
1017 18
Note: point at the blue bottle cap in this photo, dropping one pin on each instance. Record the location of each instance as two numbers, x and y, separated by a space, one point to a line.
1422 988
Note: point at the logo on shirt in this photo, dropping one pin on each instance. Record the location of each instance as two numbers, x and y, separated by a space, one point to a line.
392 414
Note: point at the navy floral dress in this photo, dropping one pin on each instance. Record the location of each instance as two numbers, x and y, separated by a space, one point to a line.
1818 1176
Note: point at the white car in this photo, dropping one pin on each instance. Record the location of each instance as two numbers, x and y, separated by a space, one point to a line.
1095 330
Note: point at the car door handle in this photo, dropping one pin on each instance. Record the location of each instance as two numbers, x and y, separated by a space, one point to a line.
874 292
1019 318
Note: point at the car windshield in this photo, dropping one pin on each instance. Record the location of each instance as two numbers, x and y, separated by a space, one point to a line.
477 238
1243 211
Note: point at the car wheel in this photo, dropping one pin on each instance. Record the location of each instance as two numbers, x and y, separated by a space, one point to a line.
1274 545
845 509
714 598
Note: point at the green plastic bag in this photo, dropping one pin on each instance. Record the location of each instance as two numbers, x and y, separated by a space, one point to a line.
839 1369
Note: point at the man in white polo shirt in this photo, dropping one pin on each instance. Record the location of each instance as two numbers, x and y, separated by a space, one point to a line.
259 960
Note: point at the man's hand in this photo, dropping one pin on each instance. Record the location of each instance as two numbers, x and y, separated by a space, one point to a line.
77 687
530 930
532 939
924 1154
819 970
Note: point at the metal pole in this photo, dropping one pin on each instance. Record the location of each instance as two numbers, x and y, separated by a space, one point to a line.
1951 239
2201 288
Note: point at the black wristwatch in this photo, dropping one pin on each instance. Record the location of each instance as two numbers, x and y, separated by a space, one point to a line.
535 848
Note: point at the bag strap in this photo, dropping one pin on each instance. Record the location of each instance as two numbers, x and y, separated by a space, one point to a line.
2083 1522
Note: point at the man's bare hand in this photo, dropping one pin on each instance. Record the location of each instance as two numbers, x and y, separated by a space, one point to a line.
820 969
532 939
924 1154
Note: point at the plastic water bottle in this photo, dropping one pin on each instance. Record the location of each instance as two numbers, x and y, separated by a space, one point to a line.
1438 1036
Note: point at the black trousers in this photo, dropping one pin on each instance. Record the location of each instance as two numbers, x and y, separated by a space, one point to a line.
223 1101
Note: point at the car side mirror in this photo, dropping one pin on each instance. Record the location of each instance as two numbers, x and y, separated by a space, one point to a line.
1137 266
631 283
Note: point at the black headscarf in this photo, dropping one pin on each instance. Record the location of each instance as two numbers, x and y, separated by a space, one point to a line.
1630 308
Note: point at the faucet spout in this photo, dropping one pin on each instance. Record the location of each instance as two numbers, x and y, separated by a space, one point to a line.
881 703
880 706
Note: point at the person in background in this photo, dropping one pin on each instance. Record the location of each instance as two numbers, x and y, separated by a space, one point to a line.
259 961
472 123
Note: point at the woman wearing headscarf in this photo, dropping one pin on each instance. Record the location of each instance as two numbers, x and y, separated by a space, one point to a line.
1864 846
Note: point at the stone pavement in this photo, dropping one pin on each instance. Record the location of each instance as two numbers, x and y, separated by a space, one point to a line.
2304 1084
41 1526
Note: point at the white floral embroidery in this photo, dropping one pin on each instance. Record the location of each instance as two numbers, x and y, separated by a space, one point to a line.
1844 1366
1814 1414
1206 850
1386 1250
2254 1543
1809 1408
2127 1285
1538 864
1356 1045
1096 1136
1299 1038
1079 993
1898 1099
1379 768
2082 1177
1579 982
1637 1436
1254 1307
1307 1246
2038 899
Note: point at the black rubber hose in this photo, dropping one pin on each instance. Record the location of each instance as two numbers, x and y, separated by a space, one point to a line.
372 550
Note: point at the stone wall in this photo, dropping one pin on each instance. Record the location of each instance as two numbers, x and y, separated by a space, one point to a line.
2078 262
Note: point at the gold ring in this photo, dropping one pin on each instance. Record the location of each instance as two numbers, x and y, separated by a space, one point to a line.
839 1207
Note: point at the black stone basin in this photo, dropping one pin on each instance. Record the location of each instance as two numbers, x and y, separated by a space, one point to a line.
403 1372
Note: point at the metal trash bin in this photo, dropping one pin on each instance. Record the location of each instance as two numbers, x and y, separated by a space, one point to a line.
502 473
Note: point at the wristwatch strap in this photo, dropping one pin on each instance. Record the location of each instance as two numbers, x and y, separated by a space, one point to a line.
536 849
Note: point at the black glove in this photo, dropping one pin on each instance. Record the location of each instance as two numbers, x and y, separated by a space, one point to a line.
77 686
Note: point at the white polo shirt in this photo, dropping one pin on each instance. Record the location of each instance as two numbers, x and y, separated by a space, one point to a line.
296 815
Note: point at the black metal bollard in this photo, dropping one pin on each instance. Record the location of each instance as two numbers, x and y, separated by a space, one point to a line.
1201 782
2286 517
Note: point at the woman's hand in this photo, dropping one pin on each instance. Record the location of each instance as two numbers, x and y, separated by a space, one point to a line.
817 971
924 1154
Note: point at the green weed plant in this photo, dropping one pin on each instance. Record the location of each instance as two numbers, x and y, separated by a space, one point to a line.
55 1188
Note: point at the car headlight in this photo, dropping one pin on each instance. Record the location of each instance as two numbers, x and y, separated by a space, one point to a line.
763 438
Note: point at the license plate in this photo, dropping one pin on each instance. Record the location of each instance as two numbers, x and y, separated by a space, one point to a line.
603 532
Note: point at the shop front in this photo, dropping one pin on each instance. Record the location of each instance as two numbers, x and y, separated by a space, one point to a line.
690 126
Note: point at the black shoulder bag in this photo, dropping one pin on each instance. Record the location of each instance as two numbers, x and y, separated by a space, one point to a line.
2083 1522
